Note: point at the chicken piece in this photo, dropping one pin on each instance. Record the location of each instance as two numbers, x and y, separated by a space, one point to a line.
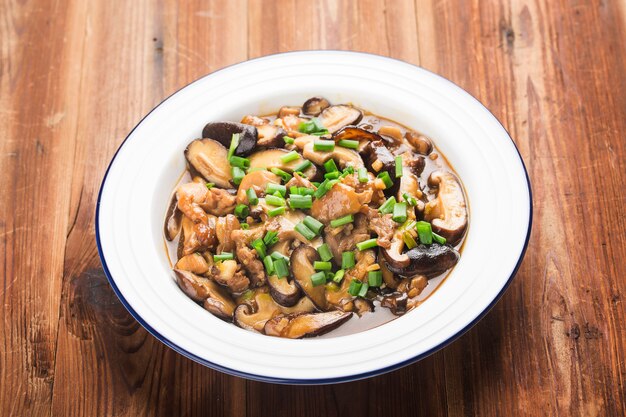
300 181
248 257
219 202
364 259
381 224
340 201
197 237
343 239
193 263
228 273
223 229
378 196
195 200
254 120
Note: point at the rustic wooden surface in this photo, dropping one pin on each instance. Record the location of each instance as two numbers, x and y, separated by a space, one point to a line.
77 75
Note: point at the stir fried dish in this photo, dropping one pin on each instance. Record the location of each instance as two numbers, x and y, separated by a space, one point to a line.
292 224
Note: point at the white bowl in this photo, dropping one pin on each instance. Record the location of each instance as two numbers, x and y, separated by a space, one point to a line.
136 188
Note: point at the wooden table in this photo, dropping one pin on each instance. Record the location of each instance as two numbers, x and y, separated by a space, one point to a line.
77 75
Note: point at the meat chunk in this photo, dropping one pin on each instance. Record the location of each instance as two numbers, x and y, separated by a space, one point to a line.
195 200
364 259
340 201
229 274
219 202
345 239
248 257
381 224
300 181
223 229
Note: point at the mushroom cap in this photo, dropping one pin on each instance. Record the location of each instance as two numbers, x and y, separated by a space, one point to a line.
448 211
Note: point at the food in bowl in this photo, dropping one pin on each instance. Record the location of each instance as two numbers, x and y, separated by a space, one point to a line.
289 224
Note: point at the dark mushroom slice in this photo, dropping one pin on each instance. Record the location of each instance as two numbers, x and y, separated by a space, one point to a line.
427 260
389 278
378 158
200 289
173 220
301 262
356 133
210 159
363 305
448 211
223 133
283 291
420 143
252 316
297 326
314 106
271 136
396 302
335 117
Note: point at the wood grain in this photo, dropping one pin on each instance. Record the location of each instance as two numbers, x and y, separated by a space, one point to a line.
75 77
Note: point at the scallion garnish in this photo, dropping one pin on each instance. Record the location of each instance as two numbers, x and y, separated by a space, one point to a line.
278 255
363 175
387 206
375 278
318 278
244 226
302 166
252 197
224 256
338 276
347 260
237 174
363 290
350 144
270 238
399 212
398 166
322 266
367 244
285 176
355 287
281 268
324 251
409 199
330 166
386 179
242 211
409 240
237 161
439 239
273 200
305 231
210 185
342 220
234 142
268 262
288 157
321 145
332 175
321 189
276 188
425 232
276 211
313 224
259 246
297 201
288 140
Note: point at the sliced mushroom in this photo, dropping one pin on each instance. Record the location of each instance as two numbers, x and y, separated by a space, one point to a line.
378 158
296 326
270 158
301 262
223 133
363 305
420 143
448 212
253 315
356 133
257 180
335 117
430 260
209 158
288 111
343 156
389 278
314 106
283 291
271 136
193 263
173 220
393 132
228 274
201 289
396 302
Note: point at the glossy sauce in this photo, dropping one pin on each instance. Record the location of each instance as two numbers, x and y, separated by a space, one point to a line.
380 315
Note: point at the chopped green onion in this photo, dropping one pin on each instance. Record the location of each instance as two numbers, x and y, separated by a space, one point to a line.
312 126
244 226
323 145
348 170
276 212
346 143
398 166
409 240
306 191
224 256
342 220
355 287
320 133
300 201
363 290
375 278
387 206
425 232
294 190
259 246
409 199
332 175
330 166
255 169
367 244
273 200
305 231
321 189
302 166
315 183
288 140
363 177
237 161
399 213
384 176
269 264
290 156
313 224
322 266
237 174
210 185
329 276
330 184
270 238
325 253
318 278
439 239
347 260
242 211
285 176
276 188
252 197
339 276
234 142
280 267
278 255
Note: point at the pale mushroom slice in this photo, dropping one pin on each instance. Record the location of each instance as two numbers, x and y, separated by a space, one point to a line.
257 180
314 106
301 263
210 159
335 117
270 158
193 263
448 211
299 325
253 314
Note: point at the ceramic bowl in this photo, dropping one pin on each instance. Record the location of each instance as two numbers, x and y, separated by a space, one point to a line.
137 185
